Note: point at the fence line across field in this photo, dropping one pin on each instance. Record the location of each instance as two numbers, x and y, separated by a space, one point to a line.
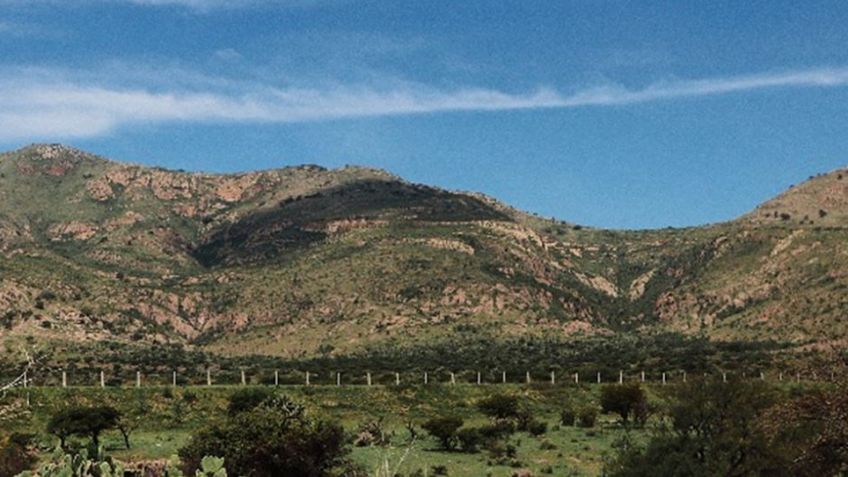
421 378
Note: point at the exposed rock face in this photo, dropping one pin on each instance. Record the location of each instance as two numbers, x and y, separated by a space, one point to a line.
71 231
637 288
290 258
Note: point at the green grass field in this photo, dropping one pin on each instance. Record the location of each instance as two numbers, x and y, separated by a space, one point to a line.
166 417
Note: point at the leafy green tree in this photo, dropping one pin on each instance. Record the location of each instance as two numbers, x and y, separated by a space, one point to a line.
83 421
444 429
626 400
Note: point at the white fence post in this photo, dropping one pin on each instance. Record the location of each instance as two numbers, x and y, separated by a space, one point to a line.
102 380
64 379
138 379
620 377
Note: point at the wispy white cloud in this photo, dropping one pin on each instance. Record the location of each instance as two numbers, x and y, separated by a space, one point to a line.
198 5
227 54
38 106
26 30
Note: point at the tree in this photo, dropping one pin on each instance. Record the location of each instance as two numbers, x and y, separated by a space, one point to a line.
274 438
499 406
813 428
247 399
623 399
83 421
715 431
444 429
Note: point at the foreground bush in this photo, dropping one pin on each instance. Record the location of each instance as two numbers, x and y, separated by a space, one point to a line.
274 438
716 430
16 454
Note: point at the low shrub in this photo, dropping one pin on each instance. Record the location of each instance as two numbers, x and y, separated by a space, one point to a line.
537 427
567 417
588 415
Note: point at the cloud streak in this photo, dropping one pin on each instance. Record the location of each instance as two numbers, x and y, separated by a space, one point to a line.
197 5
36 108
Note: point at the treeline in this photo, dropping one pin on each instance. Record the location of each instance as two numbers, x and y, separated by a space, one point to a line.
465 354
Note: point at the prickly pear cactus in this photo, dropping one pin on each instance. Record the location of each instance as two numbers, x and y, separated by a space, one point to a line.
77 465
212 467
209 467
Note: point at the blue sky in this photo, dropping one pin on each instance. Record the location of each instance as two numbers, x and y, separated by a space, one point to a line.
619 114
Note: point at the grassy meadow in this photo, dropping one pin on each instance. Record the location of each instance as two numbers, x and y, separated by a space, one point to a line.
165 418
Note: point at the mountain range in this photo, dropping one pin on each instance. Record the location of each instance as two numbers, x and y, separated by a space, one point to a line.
306 261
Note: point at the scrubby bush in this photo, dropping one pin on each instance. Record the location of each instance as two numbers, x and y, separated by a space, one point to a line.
716 430
370 433
499 406
16 454
444 429
587 416
247 399
273 438
502 451
623 399
497 429
439 470
469 439
567 417
536 427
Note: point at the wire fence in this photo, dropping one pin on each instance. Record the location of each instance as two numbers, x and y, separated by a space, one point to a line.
104 379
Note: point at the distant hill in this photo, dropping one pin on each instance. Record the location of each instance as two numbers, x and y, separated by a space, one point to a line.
304 261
